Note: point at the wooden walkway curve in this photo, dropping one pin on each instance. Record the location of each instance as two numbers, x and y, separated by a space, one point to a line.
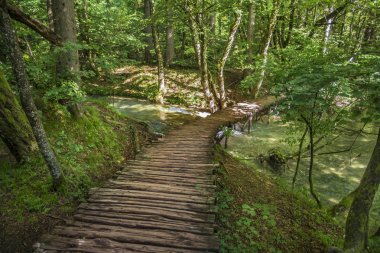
163 201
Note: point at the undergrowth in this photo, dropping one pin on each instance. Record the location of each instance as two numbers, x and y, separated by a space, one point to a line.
258 214
89 149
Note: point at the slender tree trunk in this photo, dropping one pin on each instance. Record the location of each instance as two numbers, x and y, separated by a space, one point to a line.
356 236
250 32
204 72
15 130
272 23
160 59
196 42
291 23
311 166
26 98
222 63
183 45
170 49
299 157
328 32
148 32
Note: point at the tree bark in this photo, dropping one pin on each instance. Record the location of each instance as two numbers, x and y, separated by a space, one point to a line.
223 60
250 32
148 32
291 23
271 25
356 235
328 32
67 61
15 130
170 52
26 98
160 59
34 24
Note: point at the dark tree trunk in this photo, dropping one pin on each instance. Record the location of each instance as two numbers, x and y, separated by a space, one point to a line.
15 130
67 61
250 32
170 49
26 98
148 33
357 221
160 59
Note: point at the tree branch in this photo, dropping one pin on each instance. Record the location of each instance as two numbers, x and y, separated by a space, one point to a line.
34 24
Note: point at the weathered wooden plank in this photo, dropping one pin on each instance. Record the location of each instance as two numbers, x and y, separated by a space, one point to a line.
115 200
143 224
138 171
92 245
143 236
157 187
153 195
173 214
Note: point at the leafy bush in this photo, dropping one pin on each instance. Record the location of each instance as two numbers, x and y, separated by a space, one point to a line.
67 93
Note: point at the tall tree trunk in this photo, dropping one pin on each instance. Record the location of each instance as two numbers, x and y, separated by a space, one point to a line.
26 98
356 236
148 33
328 32
67 65
196 42
170 52
291 23
15 130
311 166
160 59
272 23
223 60
85 55
250 32
67 62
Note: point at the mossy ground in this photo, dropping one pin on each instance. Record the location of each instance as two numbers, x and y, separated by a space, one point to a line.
258 214
89 149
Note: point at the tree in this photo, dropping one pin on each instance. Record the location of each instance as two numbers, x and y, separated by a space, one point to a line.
223 60
170 49
160 59
271 25
67 61
356 239
15 129
148 31
26 98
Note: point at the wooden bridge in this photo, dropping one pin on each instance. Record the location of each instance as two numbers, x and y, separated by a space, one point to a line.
163 201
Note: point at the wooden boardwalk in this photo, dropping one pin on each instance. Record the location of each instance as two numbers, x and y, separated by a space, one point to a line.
163 201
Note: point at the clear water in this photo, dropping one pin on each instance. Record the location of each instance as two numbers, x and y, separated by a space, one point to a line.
335 175
159 117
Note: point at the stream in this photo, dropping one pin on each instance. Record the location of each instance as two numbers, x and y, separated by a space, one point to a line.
335 175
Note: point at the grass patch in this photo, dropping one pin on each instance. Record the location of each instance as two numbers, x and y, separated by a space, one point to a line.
258 214
89 149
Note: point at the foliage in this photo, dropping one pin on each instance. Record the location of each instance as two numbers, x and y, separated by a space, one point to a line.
68 92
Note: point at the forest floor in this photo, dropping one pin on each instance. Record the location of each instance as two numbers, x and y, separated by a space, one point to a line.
90 151
258 214
140 81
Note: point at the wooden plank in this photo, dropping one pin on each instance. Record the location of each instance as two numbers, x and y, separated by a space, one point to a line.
173 214
92 245
157 187
115 200
204 172
138 171
175 181
142 224
144 236
153 195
